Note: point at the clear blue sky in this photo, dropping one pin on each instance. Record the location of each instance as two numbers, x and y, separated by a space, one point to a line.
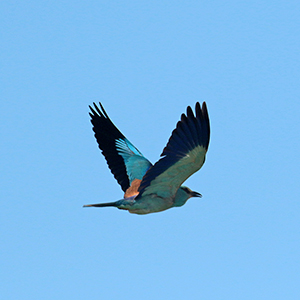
146 61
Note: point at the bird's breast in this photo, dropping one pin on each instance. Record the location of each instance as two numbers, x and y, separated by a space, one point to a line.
150 204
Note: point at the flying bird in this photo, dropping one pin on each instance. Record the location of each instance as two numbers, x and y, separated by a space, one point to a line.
153 188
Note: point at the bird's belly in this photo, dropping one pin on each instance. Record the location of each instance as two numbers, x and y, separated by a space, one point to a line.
150 204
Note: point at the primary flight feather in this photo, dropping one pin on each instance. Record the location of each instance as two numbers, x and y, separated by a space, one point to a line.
153 188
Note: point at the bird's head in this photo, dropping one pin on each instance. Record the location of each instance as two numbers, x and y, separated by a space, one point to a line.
184 194
190 193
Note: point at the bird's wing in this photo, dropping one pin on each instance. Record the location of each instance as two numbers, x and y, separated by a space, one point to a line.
124 160
183 155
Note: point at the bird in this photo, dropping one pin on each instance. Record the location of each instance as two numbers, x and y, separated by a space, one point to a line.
154 188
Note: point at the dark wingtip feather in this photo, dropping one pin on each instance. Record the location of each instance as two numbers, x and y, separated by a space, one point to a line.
106 133
192 129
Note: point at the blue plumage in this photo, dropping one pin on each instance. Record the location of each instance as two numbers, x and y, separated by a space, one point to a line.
151 188
136 164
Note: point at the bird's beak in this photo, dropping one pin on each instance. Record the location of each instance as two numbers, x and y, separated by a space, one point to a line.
196 194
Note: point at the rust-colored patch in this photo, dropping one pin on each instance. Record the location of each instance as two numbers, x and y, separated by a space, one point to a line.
133 189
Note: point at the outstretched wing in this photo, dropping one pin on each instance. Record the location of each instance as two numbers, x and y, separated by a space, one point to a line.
124 160
183 155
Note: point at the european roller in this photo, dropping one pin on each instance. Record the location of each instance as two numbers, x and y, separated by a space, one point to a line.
153 188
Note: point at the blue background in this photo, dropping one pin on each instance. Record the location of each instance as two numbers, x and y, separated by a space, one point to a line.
146 61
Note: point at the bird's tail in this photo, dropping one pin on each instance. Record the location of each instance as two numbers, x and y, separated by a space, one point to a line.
101 204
